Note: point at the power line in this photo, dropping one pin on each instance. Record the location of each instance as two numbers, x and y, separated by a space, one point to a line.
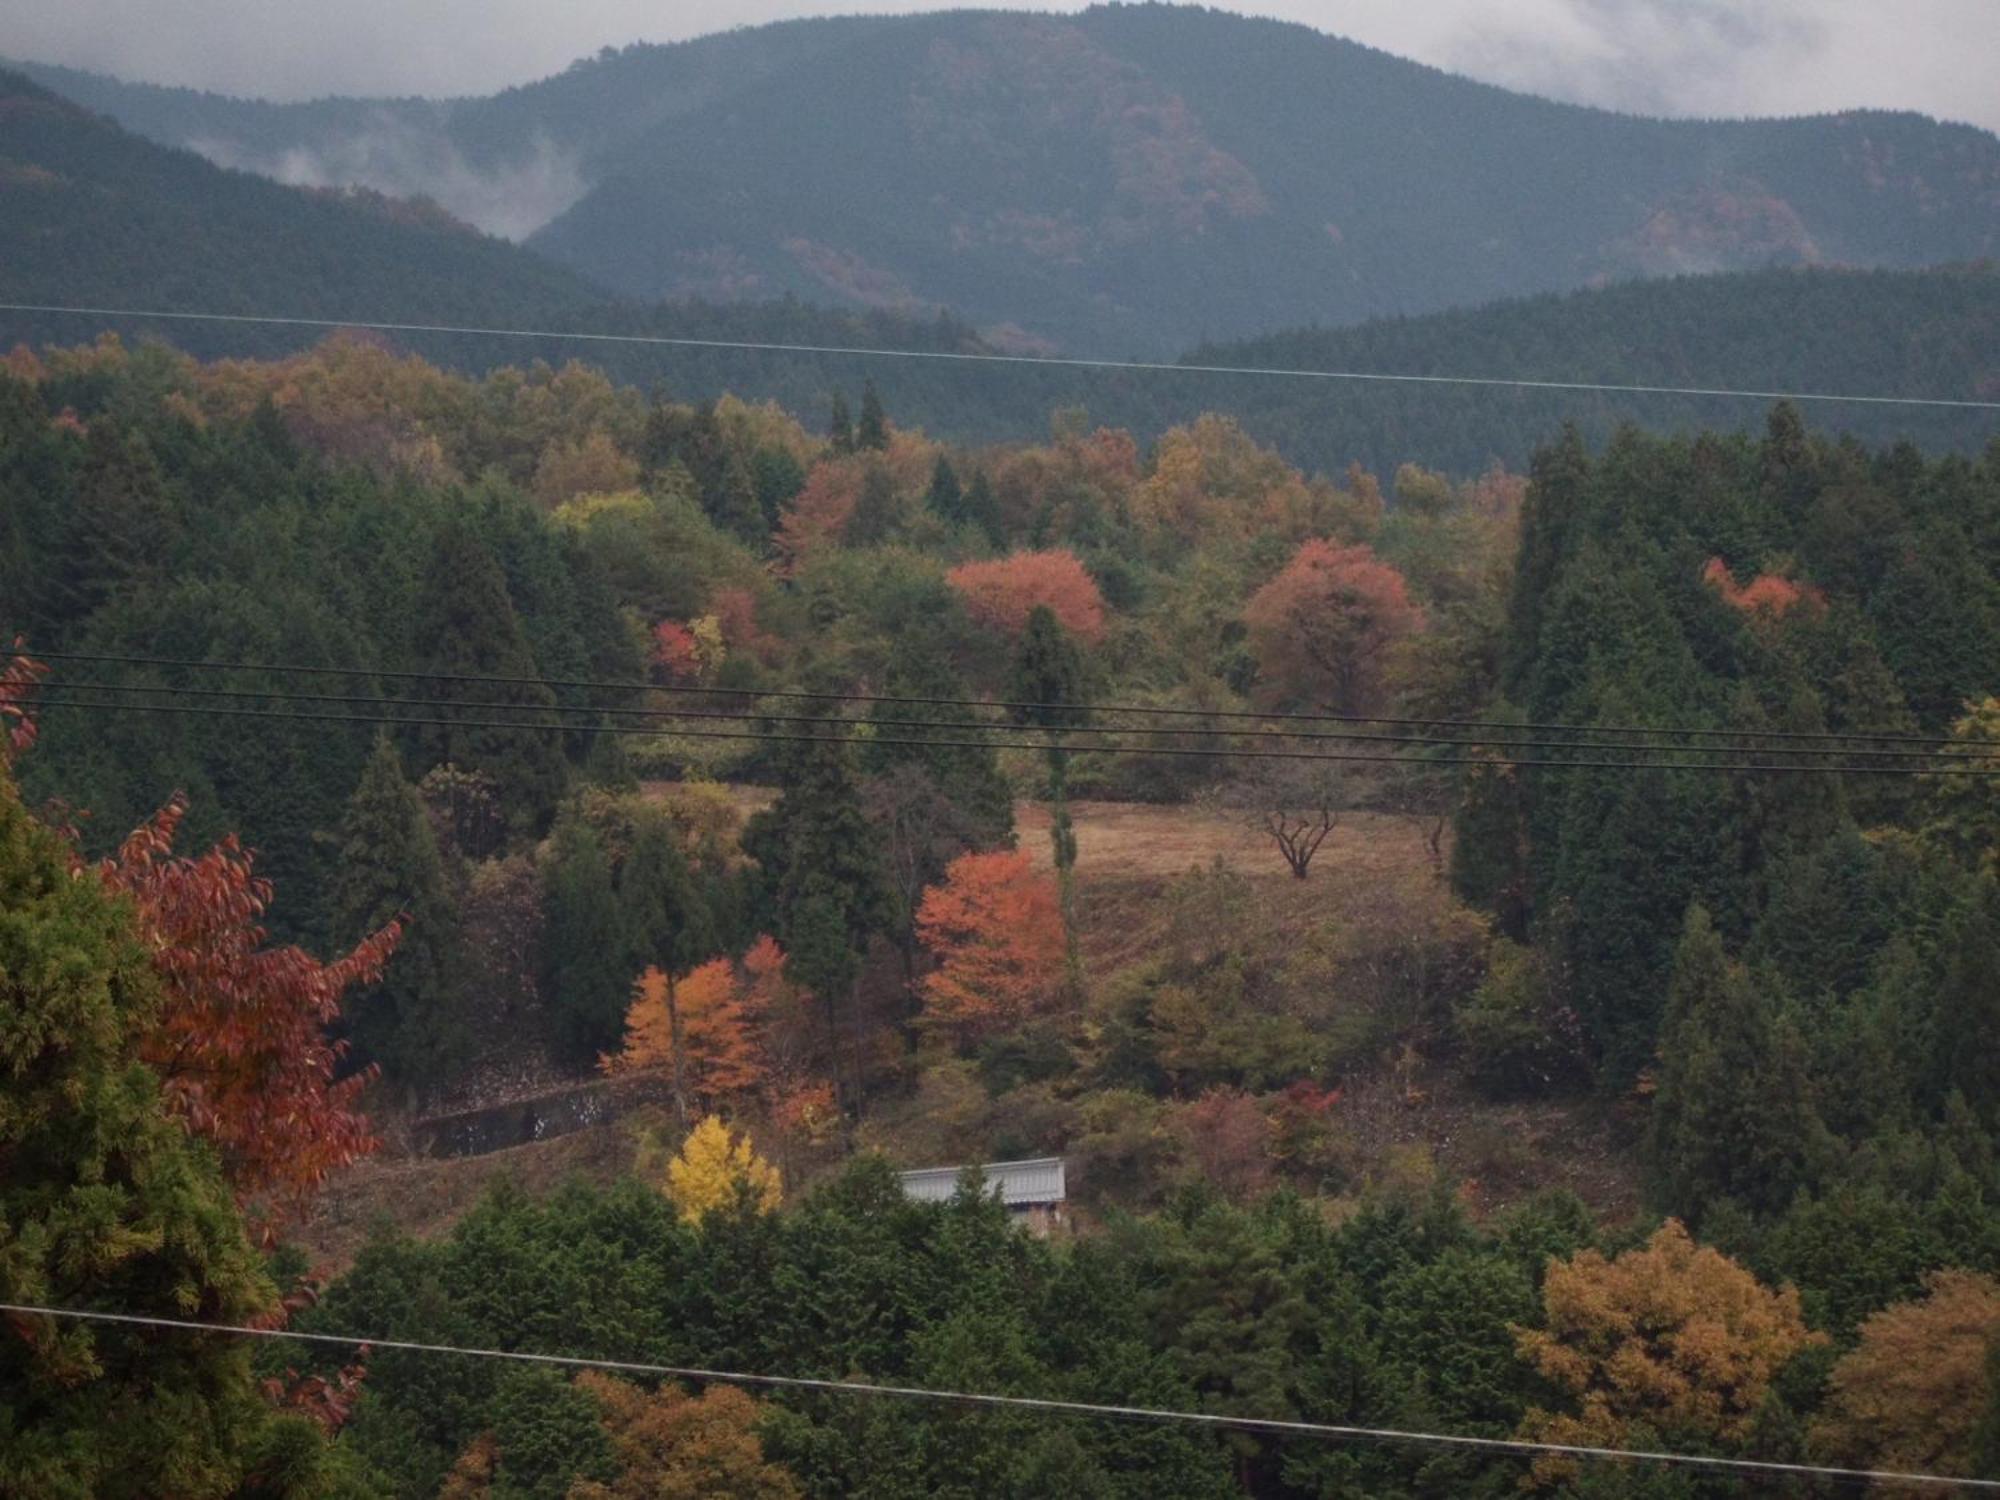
1275 1426
1505 740
1140 709
969 357
560 726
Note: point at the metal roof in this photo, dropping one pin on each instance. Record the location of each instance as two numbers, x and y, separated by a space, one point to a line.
1018 1184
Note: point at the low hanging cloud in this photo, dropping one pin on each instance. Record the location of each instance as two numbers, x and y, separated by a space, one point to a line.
512 199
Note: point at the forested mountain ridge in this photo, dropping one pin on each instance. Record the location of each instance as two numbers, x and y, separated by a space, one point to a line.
92 213
1130 179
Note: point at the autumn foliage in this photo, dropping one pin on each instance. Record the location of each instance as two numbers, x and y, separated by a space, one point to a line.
716 1169
1674 1336
241 1045
1322 628
720 1053
995 925
817 517
1001 594
1912 1393
19 678
1767 594
670 1445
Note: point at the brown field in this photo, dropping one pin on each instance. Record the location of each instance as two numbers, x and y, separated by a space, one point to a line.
1141 841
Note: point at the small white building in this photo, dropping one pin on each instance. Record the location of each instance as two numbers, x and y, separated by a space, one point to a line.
1032 1191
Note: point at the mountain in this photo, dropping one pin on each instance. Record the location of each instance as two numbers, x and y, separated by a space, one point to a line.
92 214
1131 179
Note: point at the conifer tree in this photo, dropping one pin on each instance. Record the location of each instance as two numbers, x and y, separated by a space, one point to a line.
820 859
1551 519
466 626
107 1203
669 926
586 960
872 433
411 1021
1047 682
738 508
946 496
120 524
968 775
1733 1116
840 425
982 508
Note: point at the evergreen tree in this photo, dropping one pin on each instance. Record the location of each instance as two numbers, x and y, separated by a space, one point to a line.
968 775
1558 481
840 425
778 478
120 527
668 923
1046 686
872 433
982 508
1733 1115
607 766
739 508
945 497
107 1203
466 626
1964 1029
411 1022
820 859
586 959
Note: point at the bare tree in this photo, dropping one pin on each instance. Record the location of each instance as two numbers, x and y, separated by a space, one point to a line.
1298 835
1296 807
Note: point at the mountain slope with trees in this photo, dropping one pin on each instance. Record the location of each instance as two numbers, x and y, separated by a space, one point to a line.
93 213
1129 179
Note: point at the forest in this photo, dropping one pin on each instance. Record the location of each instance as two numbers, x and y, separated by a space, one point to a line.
377 733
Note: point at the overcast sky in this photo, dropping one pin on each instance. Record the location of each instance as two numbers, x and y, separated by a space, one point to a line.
1658 56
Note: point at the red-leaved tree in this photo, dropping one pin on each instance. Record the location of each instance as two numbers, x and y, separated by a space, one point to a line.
1001 594
1321 629
995 926
241 1045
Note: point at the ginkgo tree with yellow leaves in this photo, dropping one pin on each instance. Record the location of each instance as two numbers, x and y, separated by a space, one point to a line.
717 1168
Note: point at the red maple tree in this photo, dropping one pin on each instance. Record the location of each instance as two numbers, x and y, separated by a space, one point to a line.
1767 594
1002 593
995 925
241 1044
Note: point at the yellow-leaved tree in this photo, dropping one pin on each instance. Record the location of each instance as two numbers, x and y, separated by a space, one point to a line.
1670 1343
1911 1394
715 1168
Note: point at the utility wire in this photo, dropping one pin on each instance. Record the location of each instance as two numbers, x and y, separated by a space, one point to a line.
1943 749
1139 709
967 357
1520 1447
667 731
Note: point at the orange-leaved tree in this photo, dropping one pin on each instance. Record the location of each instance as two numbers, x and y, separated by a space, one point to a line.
1002 593
1769 594
818 516
1673 1338
1322 628
1911 1395
673 1446
242 1046
995 926
719 1052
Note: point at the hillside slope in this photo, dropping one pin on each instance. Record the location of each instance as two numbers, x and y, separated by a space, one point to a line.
1131 179
90 213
